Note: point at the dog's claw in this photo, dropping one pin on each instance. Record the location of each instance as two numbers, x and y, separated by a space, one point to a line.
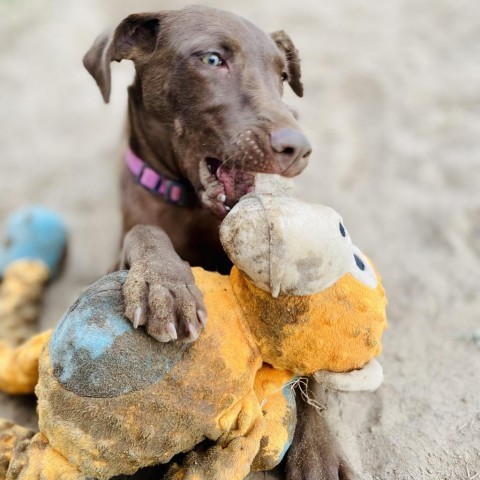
193 332
171 330
163 337
137 317
202 317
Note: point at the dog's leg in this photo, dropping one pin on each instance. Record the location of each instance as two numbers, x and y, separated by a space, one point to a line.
315 453
160 290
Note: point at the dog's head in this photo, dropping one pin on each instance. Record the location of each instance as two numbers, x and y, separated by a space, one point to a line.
208 97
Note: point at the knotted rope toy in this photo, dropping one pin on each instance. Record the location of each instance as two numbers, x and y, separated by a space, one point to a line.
300 300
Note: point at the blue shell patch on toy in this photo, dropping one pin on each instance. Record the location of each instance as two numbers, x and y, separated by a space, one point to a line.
289 397
34 233
96 352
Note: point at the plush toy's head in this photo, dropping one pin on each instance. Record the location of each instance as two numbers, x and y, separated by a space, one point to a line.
315 302
288 247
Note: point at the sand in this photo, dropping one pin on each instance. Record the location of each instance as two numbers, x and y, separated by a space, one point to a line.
392 108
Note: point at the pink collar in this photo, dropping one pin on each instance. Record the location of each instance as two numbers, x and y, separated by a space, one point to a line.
173 191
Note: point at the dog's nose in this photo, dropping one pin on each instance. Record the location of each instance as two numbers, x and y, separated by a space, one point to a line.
291 149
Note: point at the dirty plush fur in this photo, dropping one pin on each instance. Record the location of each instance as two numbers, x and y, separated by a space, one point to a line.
220 402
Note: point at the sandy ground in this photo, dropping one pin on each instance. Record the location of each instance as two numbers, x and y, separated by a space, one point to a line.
392 107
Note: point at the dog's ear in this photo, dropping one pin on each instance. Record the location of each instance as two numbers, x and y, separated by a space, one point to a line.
285 44
135 35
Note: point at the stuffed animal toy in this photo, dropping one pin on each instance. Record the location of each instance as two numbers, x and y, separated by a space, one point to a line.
300 300
35 245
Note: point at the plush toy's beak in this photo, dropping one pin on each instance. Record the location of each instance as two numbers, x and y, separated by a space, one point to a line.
367 379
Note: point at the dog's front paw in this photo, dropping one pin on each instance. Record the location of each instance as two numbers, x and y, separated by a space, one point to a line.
166 301
318 466
315 453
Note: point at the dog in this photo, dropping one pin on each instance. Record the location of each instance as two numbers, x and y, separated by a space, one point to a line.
205 114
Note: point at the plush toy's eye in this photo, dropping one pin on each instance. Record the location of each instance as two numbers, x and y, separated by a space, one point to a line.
362 270
284 76
212 59
359 262
342 229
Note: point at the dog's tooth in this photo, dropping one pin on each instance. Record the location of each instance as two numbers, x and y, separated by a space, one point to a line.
222 198
227 208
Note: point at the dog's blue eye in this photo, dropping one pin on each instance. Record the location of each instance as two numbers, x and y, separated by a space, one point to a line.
212 59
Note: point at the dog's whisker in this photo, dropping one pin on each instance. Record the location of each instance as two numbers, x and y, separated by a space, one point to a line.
228 160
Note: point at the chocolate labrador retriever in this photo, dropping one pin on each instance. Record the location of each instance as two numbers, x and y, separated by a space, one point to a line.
205 115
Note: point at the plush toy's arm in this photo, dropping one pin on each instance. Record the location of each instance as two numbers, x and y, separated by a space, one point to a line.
19 366
276 397
231 458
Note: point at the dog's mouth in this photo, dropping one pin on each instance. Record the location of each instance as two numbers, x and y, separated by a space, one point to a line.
224 185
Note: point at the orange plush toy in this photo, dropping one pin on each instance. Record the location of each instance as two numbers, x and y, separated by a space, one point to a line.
300 300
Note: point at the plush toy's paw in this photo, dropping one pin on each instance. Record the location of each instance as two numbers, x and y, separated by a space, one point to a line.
34 233
11 437
166 300
37 460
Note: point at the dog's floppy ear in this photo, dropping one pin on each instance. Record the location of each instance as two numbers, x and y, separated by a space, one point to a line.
136 34
284 43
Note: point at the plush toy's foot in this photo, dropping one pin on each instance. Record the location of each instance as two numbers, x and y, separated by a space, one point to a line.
34 233
12 437
37 460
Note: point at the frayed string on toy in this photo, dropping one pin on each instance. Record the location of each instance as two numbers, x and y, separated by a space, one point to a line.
301 383
290 384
